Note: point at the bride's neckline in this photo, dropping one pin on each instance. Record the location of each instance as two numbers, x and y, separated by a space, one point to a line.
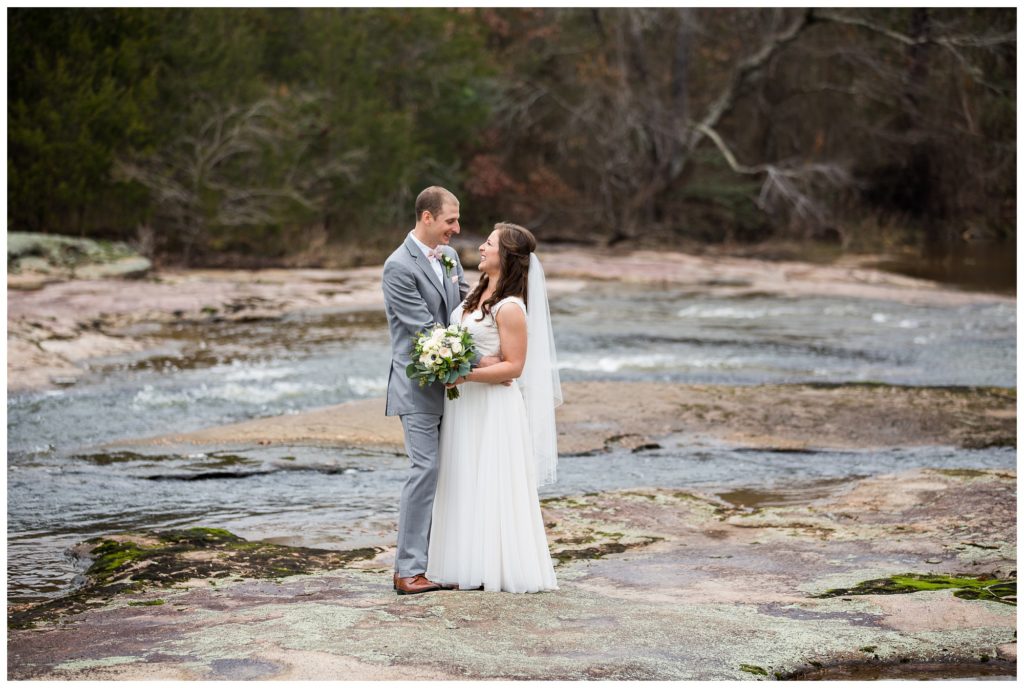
462 316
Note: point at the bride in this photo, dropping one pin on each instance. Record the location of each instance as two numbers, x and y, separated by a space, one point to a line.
498 442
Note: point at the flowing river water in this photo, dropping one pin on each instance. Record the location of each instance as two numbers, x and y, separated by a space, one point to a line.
64 488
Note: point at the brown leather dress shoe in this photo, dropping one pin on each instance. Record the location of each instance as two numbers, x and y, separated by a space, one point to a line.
414 585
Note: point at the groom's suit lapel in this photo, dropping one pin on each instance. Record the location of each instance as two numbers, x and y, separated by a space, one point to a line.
424 265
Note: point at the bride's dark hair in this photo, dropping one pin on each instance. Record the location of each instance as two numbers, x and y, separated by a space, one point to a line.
515 244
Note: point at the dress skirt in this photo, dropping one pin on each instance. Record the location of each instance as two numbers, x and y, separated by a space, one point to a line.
487 528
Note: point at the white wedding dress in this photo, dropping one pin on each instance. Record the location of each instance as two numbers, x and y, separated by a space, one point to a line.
487 528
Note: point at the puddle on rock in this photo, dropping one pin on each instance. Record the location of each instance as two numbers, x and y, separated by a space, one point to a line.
755 498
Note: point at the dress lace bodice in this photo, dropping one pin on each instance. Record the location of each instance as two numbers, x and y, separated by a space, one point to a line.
485 331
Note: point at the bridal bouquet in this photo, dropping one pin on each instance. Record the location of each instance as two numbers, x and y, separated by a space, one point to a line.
441 355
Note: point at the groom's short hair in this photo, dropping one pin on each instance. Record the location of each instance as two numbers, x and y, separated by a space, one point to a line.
432 199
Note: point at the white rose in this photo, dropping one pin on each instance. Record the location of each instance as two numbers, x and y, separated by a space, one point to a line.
425 359
457 348
445 352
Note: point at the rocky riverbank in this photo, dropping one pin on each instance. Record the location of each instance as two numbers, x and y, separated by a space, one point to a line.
908 575
55 326
54 331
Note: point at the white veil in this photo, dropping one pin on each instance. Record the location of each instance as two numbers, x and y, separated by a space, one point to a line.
542 389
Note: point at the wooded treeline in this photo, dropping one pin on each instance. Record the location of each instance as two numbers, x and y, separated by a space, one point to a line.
268 133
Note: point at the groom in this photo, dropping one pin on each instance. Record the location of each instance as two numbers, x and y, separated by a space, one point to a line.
423 283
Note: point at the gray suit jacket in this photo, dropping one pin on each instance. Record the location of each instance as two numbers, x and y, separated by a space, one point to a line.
414 300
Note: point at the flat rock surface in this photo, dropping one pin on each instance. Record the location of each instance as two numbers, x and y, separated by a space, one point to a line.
599 415
655 584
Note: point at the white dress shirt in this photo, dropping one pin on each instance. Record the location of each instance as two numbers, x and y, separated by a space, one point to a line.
434 262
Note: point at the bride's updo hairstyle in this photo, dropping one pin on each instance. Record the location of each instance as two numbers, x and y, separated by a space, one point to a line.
515 244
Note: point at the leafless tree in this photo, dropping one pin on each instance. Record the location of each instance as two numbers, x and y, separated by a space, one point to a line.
633 109
240 166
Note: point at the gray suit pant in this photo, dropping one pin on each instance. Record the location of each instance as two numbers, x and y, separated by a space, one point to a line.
422 433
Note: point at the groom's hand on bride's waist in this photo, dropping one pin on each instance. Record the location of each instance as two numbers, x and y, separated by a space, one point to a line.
489 361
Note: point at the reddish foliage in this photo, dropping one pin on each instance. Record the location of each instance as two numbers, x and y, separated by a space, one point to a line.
487 177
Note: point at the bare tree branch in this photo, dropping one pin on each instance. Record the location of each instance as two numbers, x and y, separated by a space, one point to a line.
727 100
965 41
950 43
788 184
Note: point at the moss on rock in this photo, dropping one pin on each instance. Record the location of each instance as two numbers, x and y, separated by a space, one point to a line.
134 561
966 587
753 669
961 472
33 251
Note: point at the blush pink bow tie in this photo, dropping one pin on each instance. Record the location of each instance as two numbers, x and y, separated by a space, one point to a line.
434 253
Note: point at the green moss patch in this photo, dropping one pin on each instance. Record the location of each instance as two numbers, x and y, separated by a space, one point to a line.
215 459
960 472
605 543
566 502
904 669
139 560
582 529
964 586
107 458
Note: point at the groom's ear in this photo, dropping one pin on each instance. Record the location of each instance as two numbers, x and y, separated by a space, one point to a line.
426 215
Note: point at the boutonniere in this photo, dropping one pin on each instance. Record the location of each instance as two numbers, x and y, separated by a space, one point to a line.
448 263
